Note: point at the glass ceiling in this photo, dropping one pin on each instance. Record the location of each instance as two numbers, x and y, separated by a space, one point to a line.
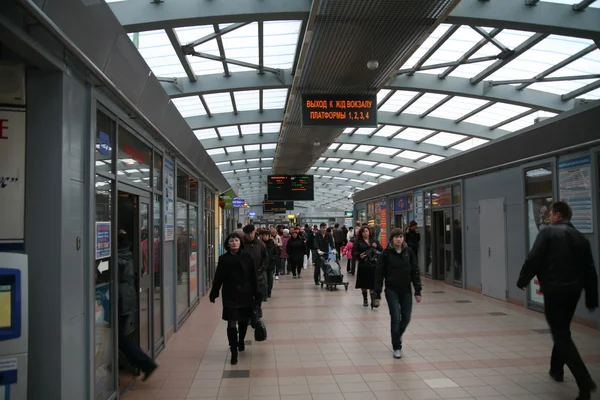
551 65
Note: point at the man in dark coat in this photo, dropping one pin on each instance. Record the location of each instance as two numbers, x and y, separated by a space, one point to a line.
561 258
258 251
413 237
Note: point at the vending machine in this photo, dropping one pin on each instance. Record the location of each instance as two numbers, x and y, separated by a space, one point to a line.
14 322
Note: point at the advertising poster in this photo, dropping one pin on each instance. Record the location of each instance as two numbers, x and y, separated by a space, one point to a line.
418 207
575 187
193 275
103 240
383 223
169 225
400 204
225 199
12 175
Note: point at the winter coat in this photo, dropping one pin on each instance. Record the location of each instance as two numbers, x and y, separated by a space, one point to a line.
284 240
412 240
398 270
273 254
338 235
236 278
127 284
347 250
295 248
258 251
561 257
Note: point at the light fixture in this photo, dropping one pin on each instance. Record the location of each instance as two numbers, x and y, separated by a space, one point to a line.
372 64
316 144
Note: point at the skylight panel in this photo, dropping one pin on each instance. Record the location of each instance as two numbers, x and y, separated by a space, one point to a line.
201 66
381 95
269 146
357 180
347 160
386 177
427 44
364 131
242 45
458 44
526 121
413 134
189 106
234 149
457 107
250 129
246 100
544 55
272 127
227 172
387 166
202 134
336 169
469 144
156 49
407 169
388 151
253 159
333 159
371 174
370 183
222 163
238 161
212 152
274 99
228 131
219 103
352 171
252 147
468 71
280 39
369 163
349 130
398 99
432 159
497 113
323 168
411 155
340 179
347 146
424 103
571 2
444 139
267 158
364 148
387 130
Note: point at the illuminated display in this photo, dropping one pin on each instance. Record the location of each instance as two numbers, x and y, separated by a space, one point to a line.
277 206
339 110
290 187
5 306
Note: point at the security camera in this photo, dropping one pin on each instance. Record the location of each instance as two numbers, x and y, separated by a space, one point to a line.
372 64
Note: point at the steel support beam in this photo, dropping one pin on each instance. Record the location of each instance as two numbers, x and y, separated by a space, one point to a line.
548 18
142 15
463 87
180 55
217 83
261 177
344 138
582 90
386 118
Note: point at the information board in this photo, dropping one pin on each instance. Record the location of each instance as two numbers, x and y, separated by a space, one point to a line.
103 240
339 110
290 187
575 187
169 225
277 206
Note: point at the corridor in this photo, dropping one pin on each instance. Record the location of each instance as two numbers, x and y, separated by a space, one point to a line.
326 346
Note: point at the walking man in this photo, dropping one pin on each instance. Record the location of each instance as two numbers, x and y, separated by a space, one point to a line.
561 258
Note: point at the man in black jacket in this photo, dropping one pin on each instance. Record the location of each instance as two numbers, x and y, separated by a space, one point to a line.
258 251
561 258
413 237
323 243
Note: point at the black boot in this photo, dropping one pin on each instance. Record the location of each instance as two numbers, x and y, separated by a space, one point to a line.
365 300
374 301
243 329
232 336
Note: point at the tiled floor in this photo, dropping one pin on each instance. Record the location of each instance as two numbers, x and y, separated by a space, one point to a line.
326 346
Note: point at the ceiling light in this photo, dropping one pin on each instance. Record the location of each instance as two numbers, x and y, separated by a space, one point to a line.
316 144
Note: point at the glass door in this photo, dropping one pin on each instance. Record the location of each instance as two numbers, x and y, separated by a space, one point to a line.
438 245
448 260
145 279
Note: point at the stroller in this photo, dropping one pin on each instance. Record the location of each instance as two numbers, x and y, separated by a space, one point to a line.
332 273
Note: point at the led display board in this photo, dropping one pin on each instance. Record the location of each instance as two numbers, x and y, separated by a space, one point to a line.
290 187
339 110
277 206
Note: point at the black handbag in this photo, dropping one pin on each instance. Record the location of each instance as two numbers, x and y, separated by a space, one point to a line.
260 331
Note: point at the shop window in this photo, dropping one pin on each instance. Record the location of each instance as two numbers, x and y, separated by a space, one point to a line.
157 266
157 174
441 197
538 181
456 195
105 139
457 244
193 249
182 259
427 199
183 184
134 160
208 199
193 190
103 271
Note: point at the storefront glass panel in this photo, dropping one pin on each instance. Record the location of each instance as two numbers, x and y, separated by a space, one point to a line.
103 306
182 259
105 139
157 267
134 160
193 249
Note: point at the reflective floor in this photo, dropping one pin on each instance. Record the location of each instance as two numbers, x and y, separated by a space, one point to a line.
326 346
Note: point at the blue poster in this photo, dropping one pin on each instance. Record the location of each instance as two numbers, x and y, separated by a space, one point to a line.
575 187
400 204
102 240
103 143
169 177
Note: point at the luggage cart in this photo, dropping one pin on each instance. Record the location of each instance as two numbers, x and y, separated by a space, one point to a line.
332 278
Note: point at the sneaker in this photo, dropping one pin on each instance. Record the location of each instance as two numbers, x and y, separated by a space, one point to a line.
398 353
276 277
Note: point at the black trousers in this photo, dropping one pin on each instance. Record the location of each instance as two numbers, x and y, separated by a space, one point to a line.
131 349
559 309
317 261
296 265
338 250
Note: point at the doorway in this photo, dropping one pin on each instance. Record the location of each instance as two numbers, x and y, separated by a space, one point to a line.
492 242
134 223
442 245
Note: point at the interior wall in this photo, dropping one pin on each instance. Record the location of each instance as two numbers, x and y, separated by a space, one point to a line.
57 126
507 184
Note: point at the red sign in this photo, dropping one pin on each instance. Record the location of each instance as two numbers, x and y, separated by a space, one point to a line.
383 223
3 127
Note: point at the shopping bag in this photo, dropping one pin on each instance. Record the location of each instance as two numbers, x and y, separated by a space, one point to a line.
260 331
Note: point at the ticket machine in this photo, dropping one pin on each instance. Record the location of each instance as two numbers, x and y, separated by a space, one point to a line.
14 322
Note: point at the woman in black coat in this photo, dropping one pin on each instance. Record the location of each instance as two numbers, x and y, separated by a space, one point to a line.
364 251
241 292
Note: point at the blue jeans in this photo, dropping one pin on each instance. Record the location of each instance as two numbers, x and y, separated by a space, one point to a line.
400 305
